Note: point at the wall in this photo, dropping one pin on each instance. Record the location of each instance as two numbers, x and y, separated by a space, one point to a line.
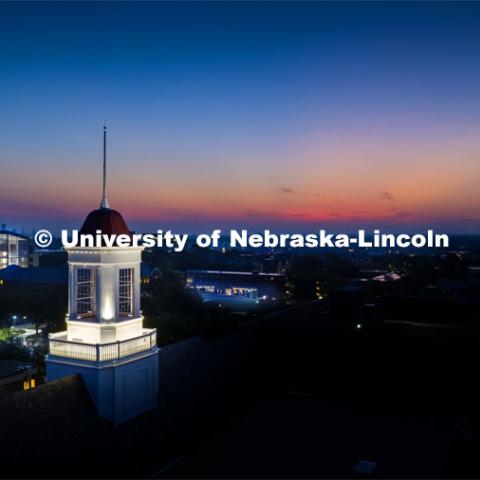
118 392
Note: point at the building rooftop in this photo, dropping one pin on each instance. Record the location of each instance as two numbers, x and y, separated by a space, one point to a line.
40 423
12 367
9 232
56 274
239 406
227 272
302 436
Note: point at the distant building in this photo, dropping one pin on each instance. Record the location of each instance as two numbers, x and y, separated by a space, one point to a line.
13 249
147 272
49 258
237 289
387 277
35 275
347 297
16 375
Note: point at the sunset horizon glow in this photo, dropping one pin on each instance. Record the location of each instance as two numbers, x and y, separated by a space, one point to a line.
260 115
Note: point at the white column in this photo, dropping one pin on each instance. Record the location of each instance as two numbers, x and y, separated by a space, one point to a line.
136 291
106 293
72 292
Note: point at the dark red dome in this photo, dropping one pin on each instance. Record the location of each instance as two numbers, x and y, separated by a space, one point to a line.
107 220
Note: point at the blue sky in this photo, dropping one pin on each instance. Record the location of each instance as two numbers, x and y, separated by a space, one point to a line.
232 114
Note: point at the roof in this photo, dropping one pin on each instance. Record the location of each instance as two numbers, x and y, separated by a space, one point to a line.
15 234
51 419
148 270
108 221
303 436
226 272
56 274
210 407
11 367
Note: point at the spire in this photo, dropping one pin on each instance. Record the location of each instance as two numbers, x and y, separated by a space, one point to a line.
104 202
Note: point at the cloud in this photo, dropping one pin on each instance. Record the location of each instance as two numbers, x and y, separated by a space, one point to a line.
387 196
402 214
286 190
257 213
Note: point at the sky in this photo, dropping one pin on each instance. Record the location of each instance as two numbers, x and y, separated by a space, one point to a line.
288 116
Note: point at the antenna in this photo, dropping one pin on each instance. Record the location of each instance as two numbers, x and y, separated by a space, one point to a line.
104 202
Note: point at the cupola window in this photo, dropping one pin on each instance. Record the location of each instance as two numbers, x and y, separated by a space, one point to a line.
126 284
85 292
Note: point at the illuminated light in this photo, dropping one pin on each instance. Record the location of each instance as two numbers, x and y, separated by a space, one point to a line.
359 326
26 385
107 307
107 314
32 383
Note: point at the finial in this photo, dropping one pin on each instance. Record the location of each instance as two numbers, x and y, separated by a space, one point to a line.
104 202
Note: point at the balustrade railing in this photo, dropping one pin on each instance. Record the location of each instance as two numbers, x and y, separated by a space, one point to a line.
60 346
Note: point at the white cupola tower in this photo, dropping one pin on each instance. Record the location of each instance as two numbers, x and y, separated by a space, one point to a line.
105 341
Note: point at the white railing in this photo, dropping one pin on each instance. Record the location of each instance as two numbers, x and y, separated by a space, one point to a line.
61 347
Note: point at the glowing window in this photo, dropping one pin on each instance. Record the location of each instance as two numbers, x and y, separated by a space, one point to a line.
85 292
125 284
